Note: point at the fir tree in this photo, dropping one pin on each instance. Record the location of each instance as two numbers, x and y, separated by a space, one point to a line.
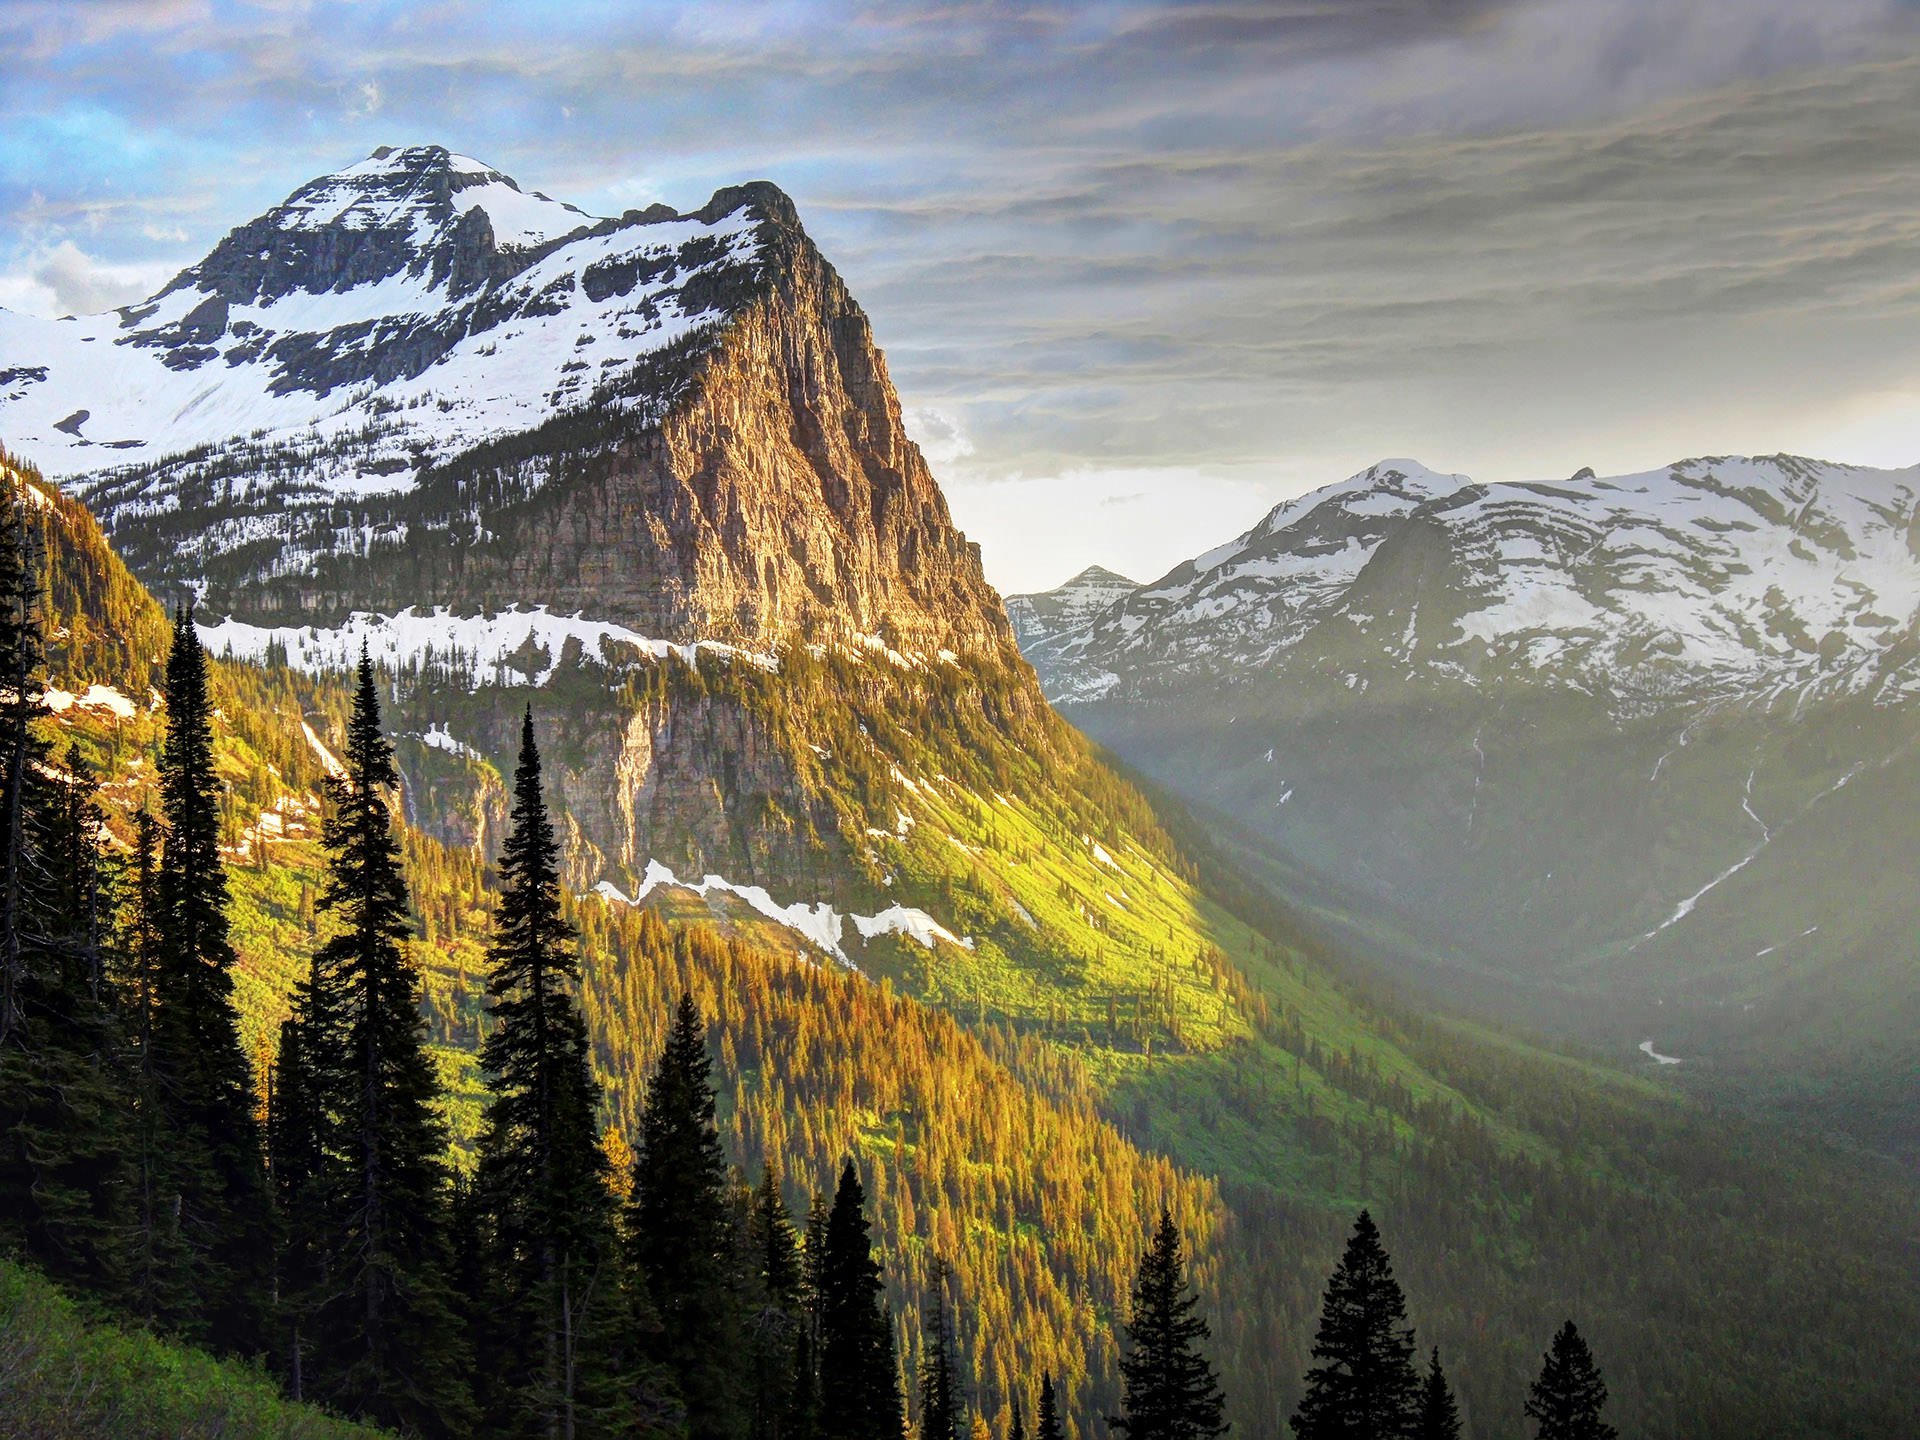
159 1266
540 1185
387 1343
1566 1401
1365 1383
213 1178
1017 1426
1047 1424
859 1379
681 1231
1439 1417
1170 1391
940 1410
297 1137
777 1322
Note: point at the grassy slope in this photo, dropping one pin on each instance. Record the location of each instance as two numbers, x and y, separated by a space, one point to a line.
66 1377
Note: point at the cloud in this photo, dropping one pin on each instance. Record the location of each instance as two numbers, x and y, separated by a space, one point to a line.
81 285
1272 237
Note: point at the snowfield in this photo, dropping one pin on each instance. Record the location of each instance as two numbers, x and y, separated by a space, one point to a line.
819 923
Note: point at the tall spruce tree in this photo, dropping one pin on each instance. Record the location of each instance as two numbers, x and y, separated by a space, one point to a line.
1365 1382
160 1266
777 1317
1566 1400
681 1232
387 1343
214 1176
1017 1426
859 1376
1169 1388
541 1181
1047 1424
1439 1417
941 1414
297 1139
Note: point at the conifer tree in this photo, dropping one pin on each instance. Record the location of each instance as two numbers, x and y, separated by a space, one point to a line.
297 1139
158 1265
63 1104
1566 1400
387 1342
540 1185
1047 1424
681 1233
859 1379
1365 1383
1439 1417
777 1319
1170 1391
940 1410
214 1176
1017 1426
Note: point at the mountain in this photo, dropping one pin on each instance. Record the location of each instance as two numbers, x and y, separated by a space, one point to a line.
676 424
1037 618
1650 738
802 773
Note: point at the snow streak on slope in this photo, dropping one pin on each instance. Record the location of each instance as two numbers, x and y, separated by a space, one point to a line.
819 923
524 645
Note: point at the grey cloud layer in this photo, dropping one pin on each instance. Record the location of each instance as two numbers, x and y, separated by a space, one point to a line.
1113 235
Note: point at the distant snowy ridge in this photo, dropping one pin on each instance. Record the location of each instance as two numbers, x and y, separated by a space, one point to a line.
819 923
1734 575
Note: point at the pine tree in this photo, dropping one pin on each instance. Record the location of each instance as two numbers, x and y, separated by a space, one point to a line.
540 1184
213 1178
1017 1426
297 1138
681 1232
159 1266
859 1379
940 1411
1170 1391
1439 1417
1566 1401
1365 1383
1047 1421
777 1321
387 1342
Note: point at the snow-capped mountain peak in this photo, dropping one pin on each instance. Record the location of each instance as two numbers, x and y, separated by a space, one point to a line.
1727 574
372 303
1049 612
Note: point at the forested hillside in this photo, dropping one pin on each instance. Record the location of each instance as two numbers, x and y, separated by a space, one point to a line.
1103 1031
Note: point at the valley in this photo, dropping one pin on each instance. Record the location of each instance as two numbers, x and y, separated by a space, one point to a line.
646 478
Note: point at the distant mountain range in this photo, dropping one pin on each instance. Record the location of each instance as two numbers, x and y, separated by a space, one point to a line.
1638 755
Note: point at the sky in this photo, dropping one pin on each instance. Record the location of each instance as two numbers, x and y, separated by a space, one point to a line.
1141 270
